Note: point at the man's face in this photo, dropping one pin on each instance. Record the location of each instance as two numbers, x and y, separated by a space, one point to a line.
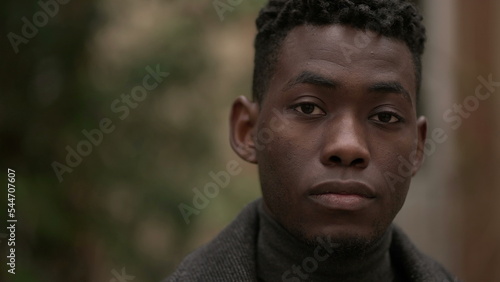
341 166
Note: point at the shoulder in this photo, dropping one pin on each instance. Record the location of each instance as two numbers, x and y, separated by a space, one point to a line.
228 257
412 264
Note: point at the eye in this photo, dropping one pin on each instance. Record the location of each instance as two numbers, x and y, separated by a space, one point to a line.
309 109
387 117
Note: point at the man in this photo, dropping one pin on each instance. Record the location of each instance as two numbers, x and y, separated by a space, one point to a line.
332 120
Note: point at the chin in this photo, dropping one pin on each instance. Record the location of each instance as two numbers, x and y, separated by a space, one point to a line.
346 235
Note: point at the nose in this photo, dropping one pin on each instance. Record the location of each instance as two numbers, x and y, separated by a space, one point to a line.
345 144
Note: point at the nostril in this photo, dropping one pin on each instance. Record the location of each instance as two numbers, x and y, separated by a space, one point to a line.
335 159
338 161
357 161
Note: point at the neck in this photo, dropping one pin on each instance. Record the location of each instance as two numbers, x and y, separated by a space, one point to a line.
282 257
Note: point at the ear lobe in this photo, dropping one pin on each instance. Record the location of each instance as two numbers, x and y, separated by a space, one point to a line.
243 121
421 137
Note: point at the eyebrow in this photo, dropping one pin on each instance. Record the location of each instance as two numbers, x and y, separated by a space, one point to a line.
385 87
307 77
391 87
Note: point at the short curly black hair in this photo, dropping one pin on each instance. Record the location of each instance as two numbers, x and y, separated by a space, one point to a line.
397 19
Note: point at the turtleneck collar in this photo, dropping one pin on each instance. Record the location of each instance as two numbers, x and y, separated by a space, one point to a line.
282 257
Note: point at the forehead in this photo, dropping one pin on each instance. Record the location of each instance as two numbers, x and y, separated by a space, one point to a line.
345 54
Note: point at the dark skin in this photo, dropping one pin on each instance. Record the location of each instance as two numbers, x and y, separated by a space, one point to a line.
328 132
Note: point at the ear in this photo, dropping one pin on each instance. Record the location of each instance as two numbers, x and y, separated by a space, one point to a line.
421 137
243 120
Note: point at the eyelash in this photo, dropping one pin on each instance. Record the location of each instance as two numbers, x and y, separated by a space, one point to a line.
399 118
393 114
294 107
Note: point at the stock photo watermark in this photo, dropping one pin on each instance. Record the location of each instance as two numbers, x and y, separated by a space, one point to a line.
471 103
121 276
121 107
362 39
453 116
11 221
211 190
201 200
223 6
310 264
48 9
323 251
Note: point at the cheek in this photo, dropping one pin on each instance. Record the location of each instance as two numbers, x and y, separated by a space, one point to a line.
281 164
395 168
279 159
281 145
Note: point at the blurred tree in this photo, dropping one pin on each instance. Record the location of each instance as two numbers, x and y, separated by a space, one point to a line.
118 207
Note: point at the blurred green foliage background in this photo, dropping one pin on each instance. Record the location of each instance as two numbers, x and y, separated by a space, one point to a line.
119 207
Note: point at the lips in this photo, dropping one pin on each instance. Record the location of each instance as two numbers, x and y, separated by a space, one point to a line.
342 195
343 188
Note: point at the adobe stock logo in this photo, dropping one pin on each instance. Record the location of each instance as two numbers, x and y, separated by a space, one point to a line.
223 6
121 276
49 9
121 106
455 117
201 199
310 264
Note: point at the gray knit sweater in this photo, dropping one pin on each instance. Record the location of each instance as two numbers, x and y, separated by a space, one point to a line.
231 256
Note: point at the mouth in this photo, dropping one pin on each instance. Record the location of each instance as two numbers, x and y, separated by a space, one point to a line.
342 195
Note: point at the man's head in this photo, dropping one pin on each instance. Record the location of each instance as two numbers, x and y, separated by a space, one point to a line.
333 127
391 18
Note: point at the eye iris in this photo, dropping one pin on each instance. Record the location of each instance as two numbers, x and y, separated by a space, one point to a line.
384 117
307 108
